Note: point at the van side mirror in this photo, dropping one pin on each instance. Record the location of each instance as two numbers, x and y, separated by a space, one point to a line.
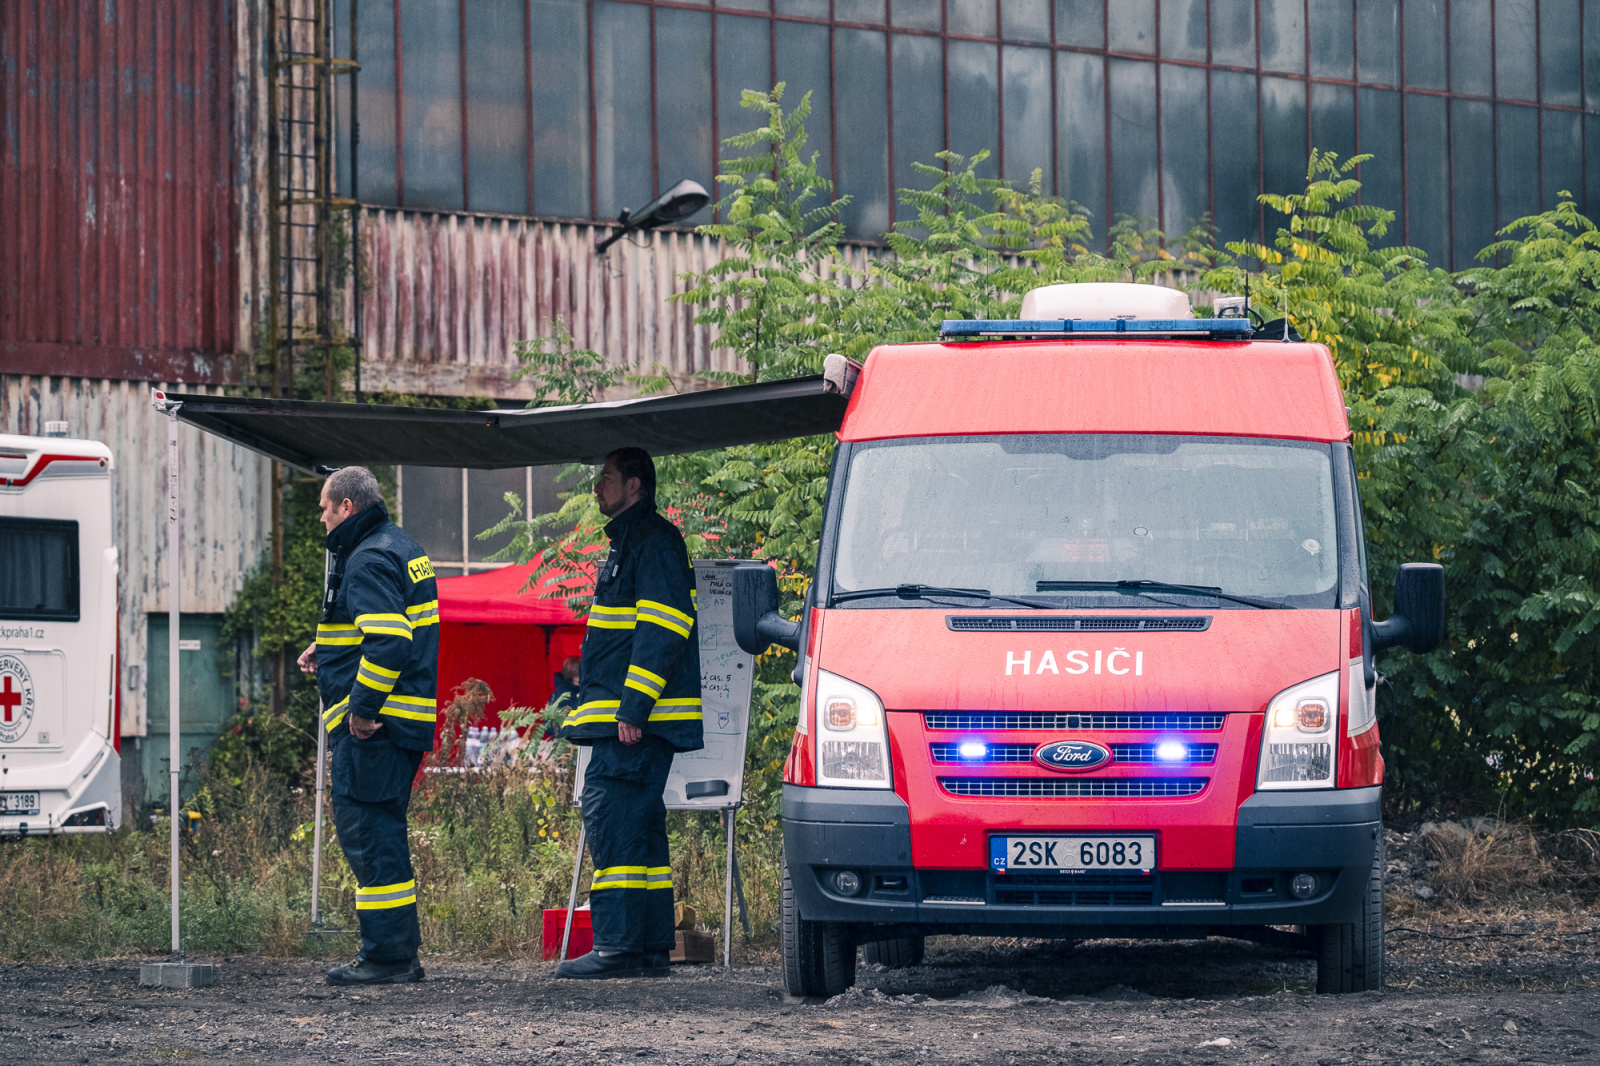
756 621
1417 623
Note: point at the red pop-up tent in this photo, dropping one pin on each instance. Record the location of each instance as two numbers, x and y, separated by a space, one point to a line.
513 641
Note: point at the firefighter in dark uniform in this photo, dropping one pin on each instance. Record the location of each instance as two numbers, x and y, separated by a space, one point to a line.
376 659
638 705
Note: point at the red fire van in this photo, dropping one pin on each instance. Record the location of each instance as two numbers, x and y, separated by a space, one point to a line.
1089 650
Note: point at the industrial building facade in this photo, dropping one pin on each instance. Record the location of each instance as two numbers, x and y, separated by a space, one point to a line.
143 155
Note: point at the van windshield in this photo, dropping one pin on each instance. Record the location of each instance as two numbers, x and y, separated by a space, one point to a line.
1033 515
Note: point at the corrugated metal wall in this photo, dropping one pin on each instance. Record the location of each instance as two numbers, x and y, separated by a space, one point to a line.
118 249
226 502
449 294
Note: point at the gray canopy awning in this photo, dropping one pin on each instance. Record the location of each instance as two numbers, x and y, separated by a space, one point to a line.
317 436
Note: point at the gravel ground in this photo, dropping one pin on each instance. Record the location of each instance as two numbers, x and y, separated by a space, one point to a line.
1514 992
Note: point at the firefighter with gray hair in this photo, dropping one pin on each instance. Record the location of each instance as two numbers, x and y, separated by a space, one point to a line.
376 658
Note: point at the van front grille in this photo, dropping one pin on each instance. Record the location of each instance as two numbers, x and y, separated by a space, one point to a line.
1064 788
1063 721
1024 623
949 751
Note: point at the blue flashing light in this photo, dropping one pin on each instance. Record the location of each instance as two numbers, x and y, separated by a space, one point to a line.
973 750
1234 329
1172 751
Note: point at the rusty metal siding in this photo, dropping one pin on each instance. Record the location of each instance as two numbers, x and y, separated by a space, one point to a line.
226 502
449 294
117 225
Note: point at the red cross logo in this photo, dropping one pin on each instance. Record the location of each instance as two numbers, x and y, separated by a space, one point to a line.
10 699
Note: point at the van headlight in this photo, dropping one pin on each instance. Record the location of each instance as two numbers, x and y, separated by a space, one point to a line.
1299 740
852 741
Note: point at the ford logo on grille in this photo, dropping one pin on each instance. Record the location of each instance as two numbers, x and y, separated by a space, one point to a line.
1070 755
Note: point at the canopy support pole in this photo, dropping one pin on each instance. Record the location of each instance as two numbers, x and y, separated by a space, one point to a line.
572 896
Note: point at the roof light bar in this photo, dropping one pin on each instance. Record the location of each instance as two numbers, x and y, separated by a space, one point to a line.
1234 329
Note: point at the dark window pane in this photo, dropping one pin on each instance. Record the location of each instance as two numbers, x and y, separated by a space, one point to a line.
1332 39
744 61
917 16
1131 25
621 107
1517 147
1563 156
816 9
1516 68
1591 58
430 510
1234 156
1027 117
375 177
803 68
1378 41
1081 22
1333 119
430 42
38 569
1380 175
1472 140
1591 171
1424 39
486 505
1428 176
1025 20
1283 36
918 111
1185 183
560 65
497 113
1183 29
975 17
1283 138
1233 32
1081 133
684 147
1133 141
339 14
1560 52
859 11
763 6
975 103
863 140
1471 57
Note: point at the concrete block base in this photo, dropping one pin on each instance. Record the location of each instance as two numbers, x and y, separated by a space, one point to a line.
177 974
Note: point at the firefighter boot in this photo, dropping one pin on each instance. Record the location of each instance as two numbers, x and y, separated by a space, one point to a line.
366 972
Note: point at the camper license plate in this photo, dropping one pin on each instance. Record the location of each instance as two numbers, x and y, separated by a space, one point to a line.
1072 854
19 803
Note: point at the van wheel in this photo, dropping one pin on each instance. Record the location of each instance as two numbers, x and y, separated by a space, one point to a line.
1350 955
818 958
894 953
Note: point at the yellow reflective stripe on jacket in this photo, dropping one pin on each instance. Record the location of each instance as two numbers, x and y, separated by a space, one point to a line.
666 617
644 681
611 617
416 708
376 677
658 877
334 633
393 625
593 711
686 709
383 897
335 714
424 614
619 877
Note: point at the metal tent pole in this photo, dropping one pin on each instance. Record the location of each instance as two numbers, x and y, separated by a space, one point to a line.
174 723
322 769
727 894
572 896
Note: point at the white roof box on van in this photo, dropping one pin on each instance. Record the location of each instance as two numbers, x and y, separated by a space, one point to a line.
1105 300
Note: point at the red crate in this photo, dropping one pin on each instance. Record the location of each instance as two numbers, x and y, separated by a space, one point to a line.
581 941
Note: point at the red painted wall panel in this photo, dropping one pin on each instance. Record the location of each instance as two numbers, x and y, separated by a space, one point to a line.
118 232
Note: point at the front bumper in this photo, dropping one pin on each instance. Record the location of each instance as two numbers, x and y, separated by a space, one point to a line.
81 795
1329 834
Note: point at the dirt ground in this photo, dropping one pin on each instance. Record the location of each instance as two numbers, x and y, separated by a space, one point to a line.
1522 992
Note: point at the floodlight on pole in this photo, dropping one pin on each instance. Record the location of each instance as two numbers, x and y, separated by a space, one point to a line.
676 204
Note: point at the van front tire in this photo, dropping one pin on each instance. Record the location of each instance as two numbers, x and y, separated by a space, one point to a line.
1350 955
818 957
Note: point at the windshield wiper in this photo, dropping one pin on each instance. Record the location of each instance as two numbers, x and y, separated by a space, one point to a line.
917 592
1164 586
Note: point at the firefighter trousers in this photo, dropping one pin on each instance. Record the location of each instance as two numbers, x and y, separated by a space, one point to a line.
625 819
371 793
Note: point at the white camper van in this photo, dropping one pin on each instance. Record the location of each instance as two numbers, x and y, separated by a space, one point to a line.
60 744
